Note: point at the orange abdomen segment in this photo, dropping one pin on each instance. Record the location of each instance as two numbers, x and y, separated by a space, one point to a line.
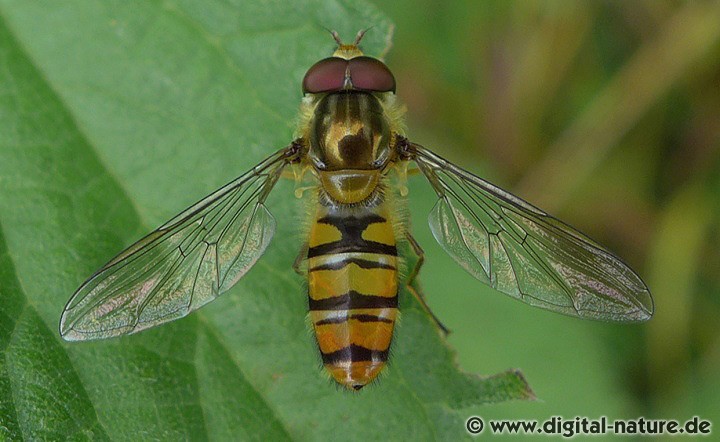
352 281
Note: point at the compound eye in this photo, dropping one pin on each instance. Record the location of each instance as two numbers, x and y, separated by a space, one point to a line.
371 74
324 76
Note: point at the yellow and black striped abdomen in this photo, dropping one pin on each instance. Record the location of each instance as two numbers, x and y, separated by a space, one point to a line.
353 288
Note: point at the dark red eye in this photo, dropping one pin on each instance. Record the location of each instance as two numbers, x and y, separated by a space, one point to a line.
326 75
371 74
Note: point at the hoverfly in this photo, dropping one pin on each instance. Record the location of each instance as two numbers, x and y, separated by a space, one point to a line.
350 142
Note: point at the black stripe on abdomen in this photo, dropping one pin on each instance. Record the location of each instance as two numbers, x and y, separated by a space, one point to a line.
362 263
361 318
355 353
345 246
351 228
353 300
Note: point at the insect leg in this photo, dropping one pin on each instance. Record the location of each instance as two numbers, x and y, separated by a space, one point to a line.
413 171
299 265
416 292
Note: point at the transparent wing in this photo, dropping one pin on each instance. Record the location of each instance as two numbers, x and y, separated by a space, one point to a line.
522 251
181 266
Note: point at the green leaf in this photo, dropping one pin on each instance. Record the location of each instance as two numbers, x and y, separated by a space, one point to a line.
116 115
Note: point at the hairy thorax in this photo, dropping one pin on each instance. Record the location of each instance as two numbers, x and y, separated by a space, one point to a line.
350 139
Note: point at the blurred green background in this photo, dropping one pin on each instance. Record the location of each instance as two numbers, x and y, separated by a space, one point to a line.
606 114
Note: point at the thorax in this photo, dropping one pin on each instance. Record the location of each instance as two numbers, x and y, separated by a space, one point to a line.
349 139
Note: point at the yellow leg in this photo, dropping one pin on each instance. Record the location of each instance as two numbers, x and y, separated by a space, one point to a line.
411 172
416 293
300 263
288 174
